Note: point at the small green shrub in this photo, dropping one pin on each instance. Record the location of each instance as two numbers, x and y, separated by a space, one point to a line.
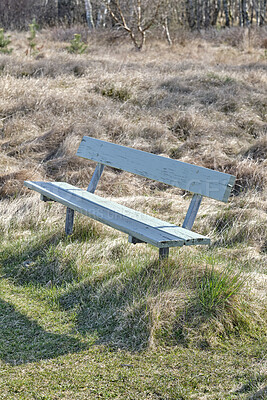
77 46
4 42
34 27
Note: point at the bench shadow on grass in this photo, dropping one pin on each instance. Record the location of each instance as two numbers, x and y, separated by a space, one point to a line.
108 313
24 341
114 307
111 309
38 263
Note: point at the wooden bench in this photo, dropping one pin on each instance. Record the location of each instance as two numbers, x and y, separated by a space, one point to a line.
140 227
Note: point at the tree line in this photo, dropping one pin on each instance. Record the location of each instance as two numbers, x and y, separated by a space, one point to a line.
135 17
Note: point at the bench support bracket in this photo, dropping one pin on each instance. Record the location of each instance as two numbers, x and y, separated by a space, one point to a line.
44 198
192 211
134 240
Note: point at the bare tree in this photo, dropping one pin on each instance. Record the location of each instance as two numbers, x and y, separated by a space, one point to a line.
71 11
18 14
226 12
190 11
89 14
136 17
102 15
263 10
244 13
165 24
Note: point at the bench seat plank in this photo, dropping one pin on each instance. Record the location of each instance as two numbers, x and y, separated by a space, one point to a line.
141 226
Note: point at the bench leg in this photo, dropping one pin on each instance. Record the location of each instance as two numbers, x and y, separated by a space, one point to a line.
69 221
163 252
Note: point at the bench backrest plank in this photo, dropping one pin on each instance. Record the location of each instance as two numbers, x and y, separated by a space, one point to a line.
192 178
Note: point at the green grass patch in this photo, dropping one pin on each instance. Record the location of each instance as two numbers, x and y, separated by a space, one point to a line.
217 290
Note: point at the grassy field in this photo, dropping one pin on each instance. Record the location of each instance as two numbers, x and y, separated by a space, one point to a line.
91 316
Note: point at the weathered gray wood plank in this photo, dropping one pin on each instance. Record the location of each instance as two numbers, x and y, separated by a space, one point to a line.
195 179
135 224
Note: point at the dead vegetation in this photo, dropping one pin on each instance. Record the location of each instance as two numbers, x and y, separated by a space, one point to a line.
209 109
202 102
199 110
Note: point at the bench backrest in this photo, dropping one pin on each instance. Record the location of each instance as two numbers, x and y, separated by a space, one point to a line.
198 180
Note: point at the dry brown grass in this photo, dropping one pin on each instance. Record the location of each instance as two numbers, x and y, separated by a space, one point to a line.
202 101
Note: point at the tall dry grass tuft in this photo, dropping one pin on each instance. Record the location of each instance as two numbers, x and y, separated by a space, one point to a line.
12 184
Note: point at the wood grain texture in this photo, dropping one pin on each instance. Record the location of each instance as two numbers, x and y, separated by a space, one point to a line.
136 224
192 178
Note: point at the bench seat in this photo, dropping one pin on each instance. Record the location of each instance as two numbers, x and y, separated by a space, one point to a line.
137 225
